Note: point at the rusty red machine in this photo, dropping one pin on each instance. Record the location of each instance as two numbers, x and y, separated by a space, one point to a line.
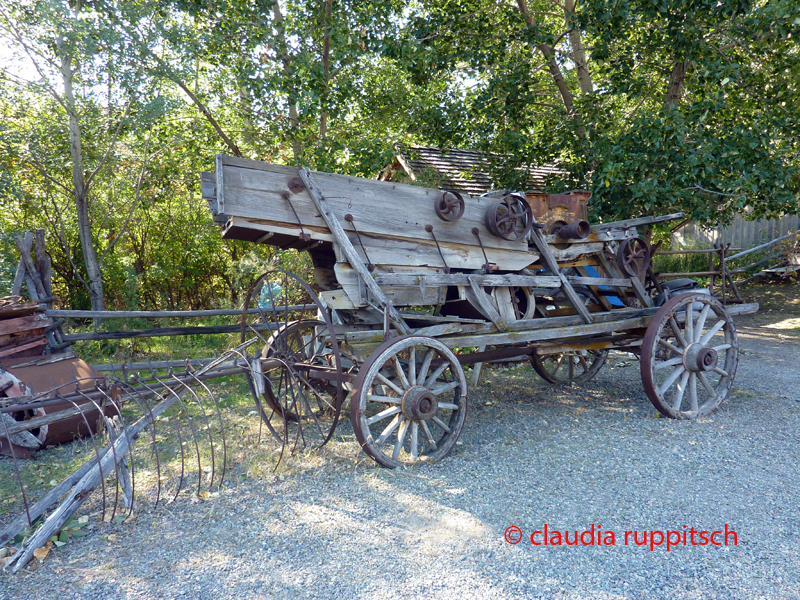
412 283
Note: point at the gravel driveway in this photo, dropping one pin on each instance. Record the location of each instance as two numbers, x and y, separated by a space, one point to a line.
531 454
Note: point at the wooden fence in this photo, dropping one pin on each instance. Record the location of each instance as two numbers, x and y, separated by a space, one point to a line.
741 233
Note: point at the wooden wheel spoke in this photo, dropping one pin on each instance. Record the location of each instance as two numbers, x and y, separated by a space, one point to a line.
384 399
441 424
414 441
583 363
666 344
428 436
448 406
680 389
689 322
671 379
693 391
425 366
401 438
571 366
391 384
712 332
389 429
720 371
701 322
435 375
412 366
722 347
707 385
398 368
676 329
444 388
668 363
384 414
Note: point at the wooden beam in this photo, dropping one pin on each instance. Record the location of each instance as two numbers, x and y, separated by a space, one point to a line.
158 314
636 222
349 250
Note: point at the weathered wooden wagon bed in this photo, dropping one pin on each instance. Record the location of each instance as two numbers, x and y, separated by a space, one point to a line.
412 283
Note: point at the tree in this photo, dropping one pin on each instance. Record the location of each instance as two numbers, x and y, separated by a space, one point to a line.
654 106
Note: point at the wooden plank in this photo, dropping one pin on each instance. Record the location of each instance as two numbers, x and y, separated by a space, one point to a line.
637 222
393 250
538 324
558 333
25 255
463 279
158 314
23 347
575 251
22 324
481 300
348 249
420 293
19 278
162 331
761 247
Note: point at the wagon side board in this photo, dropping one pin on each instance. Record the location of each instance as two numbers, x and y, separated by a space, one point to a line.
390 218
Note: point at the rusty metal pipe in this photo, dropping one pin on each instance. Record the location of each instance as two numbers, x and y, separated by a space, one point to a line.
579 230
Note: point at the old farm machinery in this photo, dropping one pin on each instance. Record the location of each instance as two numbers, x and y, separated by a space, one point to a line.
412 283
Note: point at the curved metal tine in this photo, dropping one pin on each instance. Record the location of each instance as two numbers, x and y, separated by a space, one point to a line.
191 427
94 444
304 398
180 437
208 428
118 407
222 432
123 429
16 470
112 443
152 427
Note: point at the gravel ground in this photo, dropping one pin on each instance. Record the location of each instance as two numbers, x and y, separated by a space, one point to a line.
530 455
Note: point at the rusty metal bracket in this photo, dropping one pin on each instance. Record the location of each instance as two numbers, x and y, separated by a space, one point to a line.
487 266
349 218
303 235
429 229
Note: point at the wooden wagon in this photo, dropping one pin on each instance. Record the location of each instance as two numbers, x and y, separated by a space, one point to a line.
412 283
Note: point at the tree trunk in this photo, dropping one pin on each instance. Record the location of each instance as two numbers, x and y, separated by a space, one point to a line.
555 71
675 87
326 69
283 52
578 53
80 191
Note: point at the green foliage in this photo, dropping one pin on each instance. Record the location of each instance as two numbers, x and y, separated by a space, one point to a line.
337 85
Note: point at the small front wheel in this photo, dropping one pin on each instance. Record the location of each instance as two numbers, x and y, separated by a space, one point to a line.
689 356
409 402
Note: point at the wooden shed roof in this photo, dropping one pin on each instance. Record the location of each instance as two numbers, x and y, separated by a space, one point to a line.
464 171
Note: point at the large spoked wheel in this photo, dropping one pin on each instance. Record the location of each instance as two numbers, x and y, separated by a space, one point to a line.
409 401
689 356
296 375
566 368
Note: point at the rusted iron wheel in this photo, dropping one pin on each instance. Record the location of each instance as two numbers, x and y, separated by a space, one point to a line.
509 218
409 402
575 366
450 206
689 356
297 374
633 257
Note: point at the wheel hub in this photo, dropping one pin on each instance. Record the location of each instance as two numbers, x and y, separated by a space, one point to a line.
700 358
419 404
